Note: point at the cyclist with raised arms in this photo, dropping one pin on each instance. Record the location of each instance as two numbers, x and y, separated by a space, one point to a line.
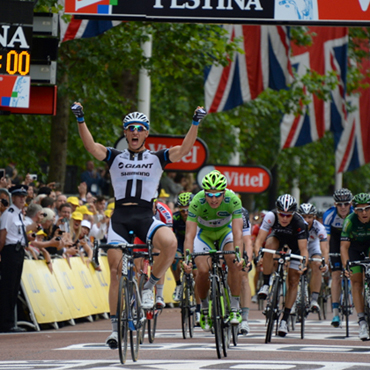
355 246
215 215
135 174
333 221
288 228
317 247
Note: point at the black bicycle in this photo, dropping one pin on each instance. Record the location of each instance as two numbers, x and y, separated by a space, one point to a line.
131 316
365 264
219 304
274 305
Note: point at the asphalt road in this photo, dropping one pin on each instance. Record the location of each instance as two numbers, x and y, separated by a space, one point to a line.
82 347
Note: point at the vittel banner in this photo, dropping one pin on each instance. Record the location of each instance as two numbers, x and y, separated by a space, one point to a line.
191 162
241 179
227 11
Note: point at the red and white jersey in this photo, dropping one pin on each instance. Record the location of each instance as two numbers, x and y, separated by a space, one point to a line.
164 214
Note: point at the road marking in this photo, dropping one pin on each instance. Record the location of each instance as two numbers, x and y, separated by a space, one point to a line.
181 365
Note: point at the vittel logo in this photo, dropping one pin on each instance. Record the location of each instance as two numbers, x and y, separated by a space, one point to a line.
242 179
211 4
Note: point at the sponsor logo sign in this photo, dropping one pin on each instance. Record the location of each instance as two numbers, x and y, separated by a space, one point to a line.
231 11
241 179
191 162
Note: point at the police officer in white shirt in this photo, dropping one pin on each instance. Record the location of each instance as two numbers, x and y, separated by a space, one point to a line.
13 240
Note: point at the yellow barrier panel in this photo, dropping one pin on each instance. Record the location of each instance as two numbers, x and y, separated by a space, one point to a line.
68 286
85 286
44 294
101 285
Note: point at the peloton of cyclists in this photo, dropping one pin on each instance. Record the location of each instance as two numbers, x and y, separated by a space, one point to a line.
317 247
215 215
333 221
288 228
354 246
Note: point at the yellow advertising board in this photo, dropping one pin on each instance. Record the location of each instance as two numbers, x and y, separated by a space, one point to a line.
85 287
69 288
101 285
44 293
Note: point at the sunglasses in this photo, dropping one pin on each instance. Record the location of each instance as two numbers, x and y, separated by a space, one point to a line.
184 210
344 204
216 195
285 215
139 128
361 209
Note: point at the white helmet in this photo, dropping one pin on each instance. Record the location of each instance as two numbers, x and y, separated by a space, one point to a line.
136 117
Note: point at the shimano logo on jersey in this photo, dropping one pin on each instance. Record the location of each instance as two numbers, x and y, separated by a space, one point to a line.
223 214
140 165
120 165
147 174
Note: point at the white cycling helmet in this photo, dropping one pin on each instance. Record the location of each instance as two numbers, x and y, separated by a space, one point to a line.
136 117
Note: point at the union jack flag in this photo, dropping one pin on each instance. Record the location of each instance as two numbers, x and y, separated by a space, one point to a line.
354 140
265 63
327 53
82 28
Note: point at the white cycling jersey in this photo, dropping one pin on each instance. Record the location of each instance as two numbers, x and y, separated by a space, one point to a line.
316 235
135 176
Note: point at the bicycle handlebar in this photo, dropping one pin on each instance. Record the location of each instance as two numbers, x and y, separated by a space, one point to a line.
125 245
286 255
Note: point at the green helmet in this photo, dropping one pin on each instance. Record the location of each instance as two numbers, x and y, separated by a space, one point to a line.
214 180
362 198
184 199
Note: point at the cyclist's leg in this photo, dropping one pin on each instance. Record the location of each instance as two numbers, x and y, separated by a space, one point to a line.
203 243
272 242
245 302
164 240
315 281
357 281
115 266
176 272
291 295
336 280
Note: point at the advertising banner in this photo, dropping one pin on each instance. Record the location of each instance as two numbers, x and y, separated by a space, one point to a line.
44 293
226 11
191 162
241 179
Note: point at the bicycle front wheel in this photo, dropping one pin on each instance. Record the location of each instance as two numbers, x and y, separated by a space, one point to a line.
143 280
123 314
135 321
152 326
185 311
302 308
272 309
217 317
345 303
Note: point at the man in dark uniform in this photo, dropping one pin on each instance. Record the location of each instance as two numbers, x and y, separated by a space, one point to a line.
13 240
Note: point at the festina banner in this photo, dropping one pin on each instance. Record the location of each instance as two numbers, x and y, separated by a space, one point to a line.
227 11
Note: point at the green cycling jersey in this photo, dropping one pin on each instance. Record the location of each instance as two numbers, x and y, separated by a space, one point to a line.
355 231
214 219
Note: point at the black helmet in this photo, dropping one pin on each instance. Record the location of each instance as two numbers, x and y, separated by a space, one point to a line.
286 203
307 209
342 195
